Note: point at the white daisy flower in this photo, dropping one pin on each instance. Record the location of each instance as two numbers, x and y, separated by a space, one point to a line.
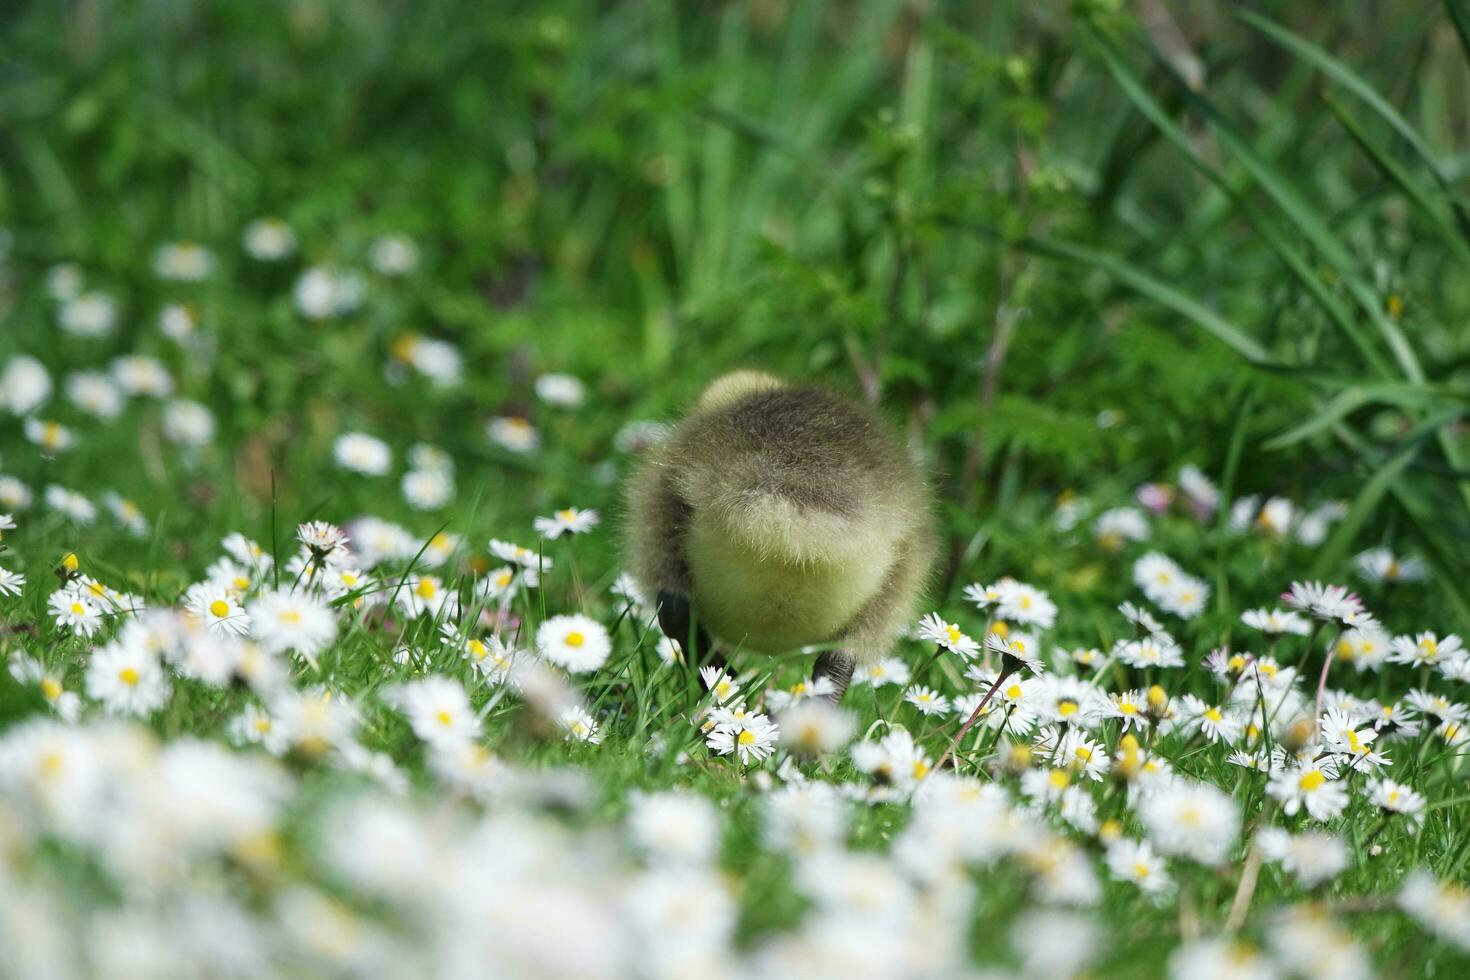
577 643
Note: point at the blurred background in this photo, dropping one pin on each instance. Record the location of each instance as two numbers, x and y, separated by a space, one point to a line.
1069 247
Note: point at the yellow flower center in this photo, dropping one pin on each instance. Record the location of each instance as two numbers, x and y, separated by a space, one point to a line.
129 676
747 737
1128 707
503 579
219 608
1060 779
50 688
921 769
1236 664
953 632
241 582
575 639
1000 629
477 649
262 725
77 609
1013 692
1311 781
291 616
439 541
1140 870
1067 708
426 588
566 515
1214 715
70 561
444 718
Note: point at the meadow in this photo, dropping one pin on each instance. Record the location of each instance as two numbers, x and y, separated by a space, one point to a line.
331 333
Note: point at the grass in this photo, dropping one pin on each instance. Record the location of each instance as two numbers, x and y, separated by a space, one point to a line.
1067 249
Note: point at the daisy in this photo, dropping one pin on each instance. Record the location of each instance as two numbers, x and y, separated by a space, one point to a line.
284 621
720 684
29 670
578 643
817 687
1131 708
1117 526
1155 650
561 390
1022 603
1016 653
1081 755
52 437
70 610
247 552
71 505
13 493
1426 650
323 540
1328 602
1204 496
269 240
1155 574
1276 622
515 554
1365 649
187 423
491 658
889 670
393 255
1069 701
751 738
927 700
178 323
126 513
1441 907
1392 797
1209 720
502 583
362 453
88 315
182 262
1314 857
983 596
427 489
1379 566
1142 618
1135 861
140 375
95 393
579 725
815 727
947 635
568 521
438 710
1185 598
515 434
1311 786
218 609
1193 820
425 595
316 719
127 679
1345 735
255 726
11 582
1394 721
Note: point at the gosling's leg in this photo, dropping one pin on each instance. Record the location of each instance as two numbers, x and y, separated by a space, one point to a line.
837 667
676 619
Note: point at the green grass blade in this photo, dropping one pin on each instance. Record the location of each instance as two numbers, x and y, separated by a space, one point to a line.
1395 174
1157 290
1356 84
